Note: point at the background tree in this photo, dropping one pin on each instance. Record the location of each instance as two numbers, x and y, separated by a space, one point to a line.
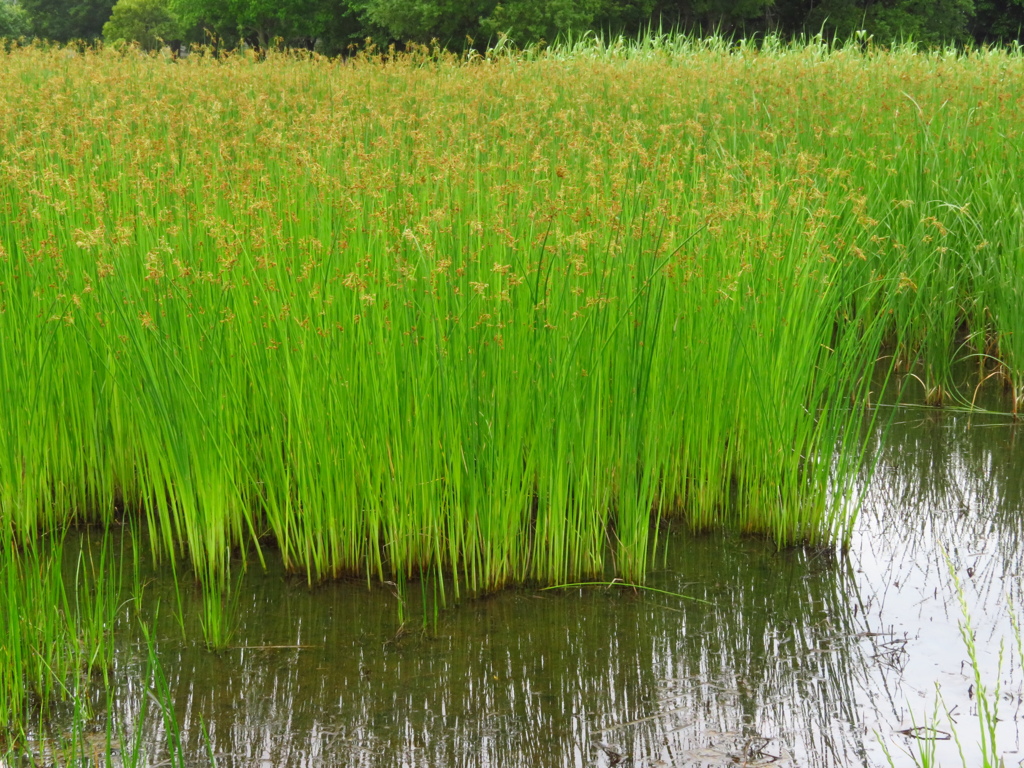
628 17
931 22
336 27
710 16
527 21
789 16
998 21
14 21
149 23
448 21
65 20
336 24
258 22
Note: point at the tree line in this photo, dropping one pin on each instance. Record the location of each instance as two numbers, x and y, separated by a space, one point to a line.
332 26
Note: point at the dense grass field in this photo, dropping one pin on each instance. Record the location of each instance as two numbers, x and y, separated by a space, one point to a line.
488 318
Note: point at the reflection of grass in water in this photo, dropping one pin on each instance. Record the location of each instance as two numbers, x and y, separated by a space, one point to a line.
754 662
55 644
627 585
947 477
941 724
87 734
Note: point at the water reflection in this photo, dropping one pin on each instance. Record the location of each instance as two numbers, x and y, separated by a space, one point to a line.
945 508
796 658
763 672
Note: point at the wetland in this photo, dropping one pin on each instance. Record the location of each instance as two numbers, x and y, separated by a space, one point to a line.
348 419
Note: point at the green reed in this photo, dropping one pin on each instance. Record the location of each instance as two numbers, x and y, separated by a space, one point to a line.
39 662
341 310
59 619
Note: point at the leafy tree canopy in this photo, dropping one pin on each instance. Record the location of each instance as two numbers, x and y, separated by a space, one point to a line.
335 24
998 20
258 21
713 15
65 20
933 22
146 22
448 21
14 22
529 20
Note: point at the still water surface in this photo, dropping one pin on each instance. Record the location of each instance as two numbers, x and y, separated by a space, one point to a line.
795 658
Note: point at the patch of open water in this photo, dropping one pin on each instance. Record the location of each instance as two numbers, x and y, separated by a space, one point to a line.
796 658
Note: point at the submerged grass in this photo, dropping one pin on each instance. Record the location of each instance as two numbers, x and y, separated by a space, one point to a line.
343 309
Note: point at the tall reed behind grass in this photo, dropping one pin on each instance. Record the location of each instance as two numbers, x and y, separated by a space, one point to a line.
408 315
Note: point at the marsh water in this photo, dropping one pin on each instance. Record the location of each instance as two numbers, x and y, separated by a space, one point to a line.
788 658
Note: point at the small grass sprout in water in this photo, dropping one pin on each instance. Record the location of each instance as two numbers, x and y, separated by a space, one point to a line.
943 725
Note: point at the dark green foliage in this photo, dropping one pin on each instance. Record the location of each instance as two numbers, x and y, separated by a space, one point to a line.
998 20
531 20
65 20
714 15
258 22
629 16
448 21
335 25
337 28
930 22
